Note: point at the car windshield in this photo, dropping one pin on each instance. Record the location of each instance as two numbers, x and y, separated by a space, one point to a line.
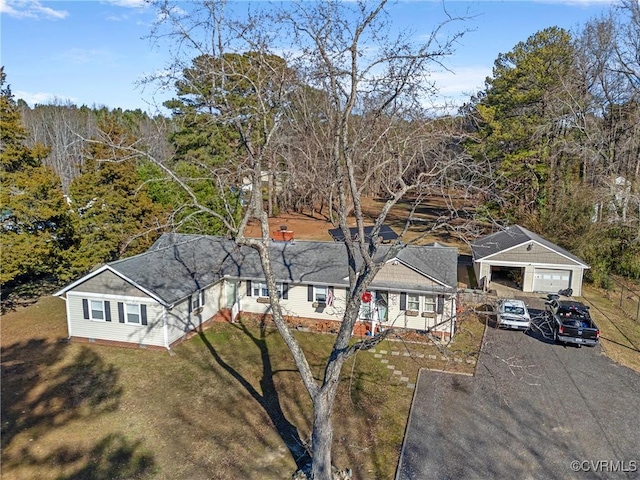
514 310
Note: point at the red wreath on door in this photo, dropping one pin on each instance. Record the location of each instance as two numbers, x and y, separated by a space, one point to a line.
367 297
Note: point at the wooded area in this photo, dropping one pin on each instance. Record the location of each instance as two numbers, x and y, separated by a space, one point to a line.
551 143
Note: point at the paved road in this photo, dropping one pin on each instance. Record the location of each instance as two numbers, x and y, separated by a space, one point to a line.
532 409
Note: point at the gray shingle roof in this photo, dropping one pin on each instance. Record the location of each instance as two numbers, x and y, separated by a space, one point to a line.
178 265
511 237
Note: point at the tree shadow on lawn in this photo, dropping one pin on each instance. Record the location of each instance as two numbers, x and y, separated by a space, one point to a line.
42 391
112 457
268 399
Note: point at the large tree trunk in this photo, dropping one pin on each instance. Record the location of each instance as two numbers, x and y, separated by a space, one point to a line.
322 435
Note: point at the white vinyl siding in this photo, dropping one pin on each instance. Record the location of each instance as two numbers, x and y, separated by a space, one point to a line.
180 320
425 319
114 330
296 304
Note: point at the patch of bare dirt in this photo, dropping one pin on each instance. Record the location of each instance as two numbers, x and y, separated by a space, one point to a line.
304 227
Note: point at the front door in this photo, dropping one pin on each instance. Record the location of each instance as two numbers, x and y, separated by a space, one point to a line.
233 300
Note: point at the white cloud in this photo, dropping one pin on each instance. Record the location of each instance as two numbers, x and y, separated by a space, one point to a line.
172 11
42 98
117 18
81 55
30 9
129 3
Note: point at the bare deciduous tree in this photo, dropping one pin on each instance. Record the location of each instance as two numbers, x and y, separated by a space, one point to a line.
345 113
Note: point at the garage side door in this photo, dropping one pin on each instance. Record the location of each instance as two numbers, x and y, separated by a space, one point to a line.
549 280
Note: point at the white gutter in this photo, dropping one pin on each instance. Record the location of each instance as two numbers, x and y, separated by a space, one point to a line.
165 328
66 308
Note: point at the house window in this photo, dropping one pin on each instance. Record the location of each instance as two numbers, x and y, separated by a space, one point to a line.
97 310
320 294
260 289
413 301
430 304
132 313
197 300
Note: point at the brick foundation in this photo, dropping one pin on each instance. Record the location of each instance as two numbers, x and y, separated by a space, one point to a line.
113 343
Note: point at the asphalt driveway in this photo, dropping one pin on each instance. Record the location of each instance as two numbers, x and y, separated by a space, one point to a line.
534 410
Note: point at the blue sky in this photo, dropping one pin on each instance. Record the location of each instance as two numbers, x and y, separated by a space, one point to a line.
94 52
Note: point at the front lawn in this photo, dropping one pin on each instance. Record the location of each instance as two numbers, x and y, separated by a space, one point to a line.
226 404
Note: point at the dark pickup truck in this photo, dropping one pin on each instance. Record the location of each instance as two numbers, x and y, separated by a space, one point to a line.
571 323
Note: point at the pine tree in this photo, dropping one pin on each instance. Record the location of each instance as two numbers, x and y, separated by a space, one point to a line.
113 215
35 229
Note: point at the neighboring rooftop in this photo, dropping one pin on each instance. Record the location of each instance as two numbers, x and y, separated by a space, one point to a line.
386 232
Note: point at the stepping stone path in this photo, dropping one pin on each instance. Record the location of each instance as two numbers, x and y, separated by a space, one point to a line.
381 354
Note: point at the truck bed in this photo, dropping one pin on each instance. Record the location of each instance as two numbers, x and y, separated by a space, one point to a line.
576 330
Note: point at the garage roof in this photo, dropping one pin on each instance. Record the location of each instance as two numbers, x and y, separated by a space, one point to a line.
511 237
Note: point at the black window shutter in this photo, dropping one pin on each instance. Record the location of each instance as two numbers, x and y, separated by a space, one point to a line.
285 291
121 312
85 308
440 304
403 301
190 303
143 314
309 293
107 311
201 297
248 288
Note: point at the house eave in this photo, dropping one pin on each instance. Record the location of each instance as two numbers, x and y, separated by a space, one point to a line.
102 269
572 260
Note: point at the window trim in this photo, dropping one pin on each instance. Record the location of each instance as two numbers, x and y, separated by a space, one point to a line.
123 317
196 300
430 304
261 287
413 302
91 310
126 313
320 290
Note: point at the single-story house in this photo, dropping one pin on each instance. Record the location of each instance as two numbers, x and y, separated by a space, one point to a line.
532 262
156 298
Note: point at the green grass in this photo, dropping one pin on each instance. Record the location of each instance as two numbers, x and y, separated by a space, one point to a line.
620 334
226 404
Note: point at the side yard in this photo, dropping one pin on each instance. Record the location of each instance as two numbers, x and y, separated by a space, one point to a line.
619 333
225 404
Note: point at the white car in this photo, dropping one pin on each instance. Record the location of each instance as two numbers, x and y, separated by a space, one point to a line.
513 314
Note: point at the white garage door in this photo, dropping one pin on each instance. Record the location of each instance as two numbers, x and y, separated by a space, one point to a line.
548 280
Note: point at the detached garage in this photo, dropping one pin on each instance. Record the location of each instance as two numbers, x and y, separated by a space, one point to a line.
524 258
